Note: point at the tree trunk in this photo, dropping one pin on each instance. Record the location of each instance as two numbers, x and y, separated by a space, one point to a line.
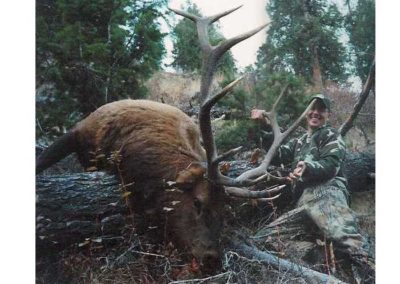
316 69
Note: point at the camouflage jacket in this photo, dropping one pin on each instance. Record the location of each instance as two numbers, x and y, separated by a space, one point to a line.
323 153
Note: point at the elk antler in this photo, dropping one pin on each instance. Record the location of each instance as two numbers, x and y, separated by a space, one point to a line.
256 175
261 170
211 55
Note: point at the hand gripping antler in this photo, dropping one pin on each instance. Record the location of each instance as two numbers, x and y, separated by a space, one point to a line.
256 175
261 170
210 56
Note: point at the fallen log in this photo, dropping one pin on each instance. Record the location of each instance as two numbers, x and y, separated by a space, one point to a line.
357 169
311 276
70 208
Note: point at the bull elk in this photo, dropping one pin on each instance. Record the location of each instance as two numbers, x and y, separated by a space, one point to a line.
162 160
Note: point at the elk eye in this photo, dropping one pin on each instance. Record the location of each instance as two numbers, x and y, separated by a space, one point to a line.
198 206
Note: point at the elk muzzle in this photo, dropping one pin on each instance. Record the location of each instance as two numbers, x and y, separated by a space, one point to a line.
208 258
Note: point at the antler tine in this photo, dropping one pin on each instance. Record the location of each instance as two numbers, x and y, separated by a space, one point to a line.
245 193
208 104
192 17
272 114
269 199
231 152
227 44
278 138
220 15
279 97
212 54
201 25
246 182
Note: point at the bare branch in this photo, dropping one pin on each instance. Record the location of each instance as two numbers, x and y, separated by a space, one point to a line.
369 83
202 280
311 276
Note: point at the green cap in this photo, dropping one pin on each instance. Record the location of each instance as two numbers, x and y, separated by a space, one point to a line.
324 99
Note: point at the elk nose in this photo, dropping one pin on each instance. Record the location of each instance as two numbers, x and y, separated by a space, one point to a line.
211 261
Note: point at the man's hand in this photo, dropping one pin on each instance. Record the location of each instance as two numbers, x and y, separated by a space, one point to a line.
297 172
257 114
260 116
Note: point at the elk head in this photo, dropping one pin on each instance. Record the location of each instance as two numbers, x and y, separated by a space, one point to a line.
210 185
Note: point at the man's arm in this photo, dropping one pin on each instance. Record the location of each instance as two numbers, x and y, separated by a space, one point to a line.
331 155
285 153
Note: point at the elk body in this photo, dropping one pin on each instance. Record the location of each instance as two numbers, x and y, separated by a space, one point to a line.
156 150
148 144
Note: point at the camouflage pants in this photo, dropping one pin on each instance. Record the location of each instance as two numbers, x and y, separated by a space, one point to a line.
326 205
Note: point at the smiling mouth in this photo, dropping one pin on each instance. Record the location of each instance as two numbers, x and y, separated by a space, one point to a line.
315 116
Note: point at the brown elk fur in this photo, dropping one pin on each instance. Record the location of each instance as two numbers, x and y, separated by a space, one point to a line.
150 135
151 143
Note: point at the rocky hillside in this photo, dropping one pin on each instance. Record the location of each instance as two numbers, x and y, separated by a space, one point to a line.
180 89
174 89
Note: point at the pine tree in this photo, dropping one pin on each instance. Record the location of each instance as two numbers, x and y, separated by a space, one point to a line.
360 24
92 52
303 39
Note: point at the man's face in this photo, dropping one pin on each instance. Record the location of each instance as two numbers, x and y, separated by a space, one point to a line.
317 115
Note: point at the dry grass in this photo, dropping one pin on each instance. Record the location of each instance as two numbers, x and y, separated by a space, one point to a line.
136 259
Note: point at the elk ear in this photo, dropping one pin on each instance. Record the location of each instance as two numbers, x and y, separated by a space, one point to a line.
191 174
